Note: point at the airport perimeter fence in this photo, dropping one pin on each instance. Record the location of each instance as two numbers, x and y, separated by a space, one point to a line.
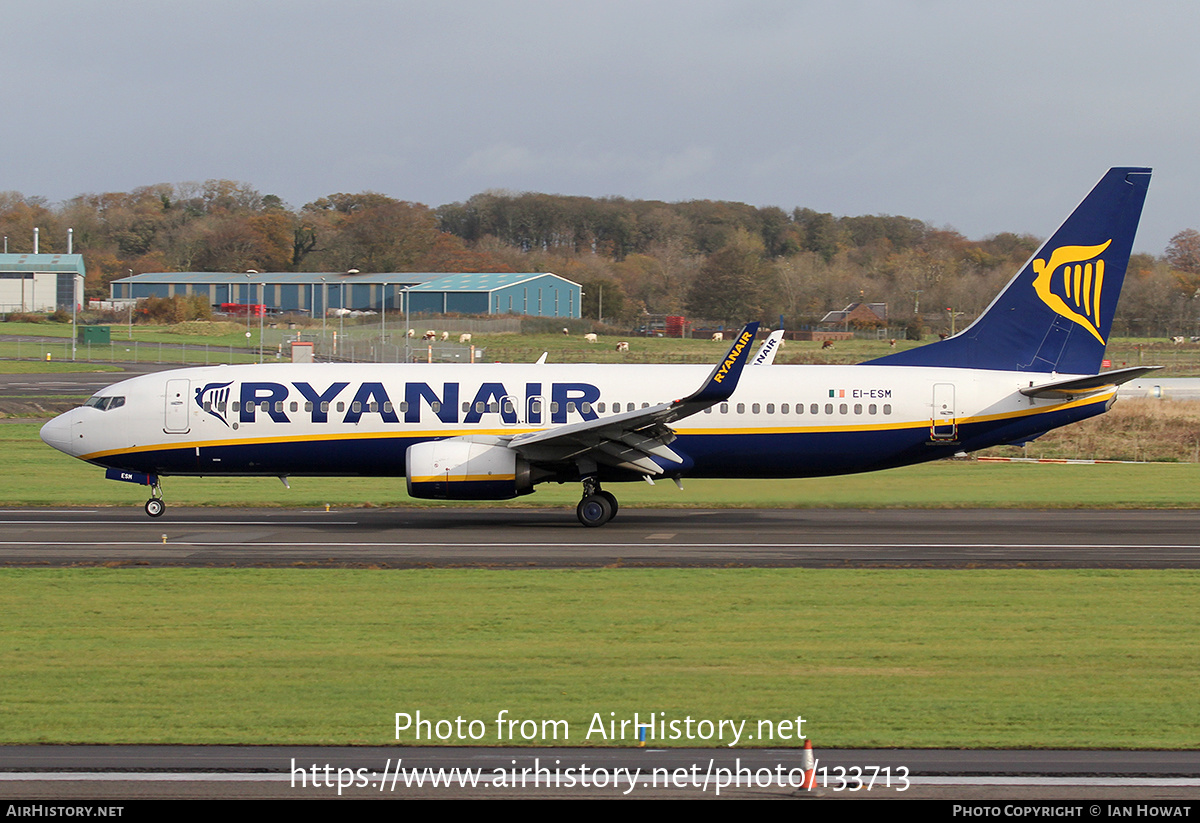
134 351
373 342
345 349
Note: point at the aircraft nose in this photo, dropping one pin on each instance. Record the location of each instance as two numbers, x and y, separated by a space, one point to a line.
57 432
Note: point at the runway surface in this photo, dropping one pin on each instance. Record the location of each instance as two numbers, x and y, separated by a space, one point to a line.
71 383
552 538
299 772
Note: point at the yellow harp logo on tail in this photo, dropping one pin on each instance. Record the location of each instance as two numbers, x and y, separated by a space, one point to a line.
1076 293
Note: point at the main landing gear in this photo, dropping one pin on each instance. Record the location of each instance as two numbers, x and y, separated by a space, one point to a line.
597 506
155 505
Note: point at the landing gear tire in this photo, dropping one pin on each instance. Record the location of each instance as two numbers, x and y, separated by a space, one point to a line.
155 507
612 501
595 510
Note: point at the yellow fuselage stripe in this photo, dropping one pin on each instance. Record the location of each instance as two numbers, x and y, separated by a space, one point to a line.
427 434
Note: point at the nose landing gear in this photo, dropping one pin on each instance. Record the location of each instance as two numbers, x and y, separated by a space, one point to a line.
155 505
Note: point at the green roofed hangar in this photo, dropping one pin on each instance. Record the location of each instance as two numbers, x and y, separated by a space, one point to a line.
539 294
40 282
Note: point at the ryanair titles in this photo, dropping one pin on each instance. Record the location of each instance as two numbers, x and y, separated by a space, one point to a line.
346 403
743 341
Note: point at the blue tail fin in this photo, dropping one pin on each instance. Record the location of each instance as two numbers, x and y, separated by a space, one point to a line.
1056 314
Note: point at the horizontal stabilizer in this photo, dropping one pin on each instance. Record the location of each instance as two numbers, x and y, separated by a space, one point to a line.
1065 389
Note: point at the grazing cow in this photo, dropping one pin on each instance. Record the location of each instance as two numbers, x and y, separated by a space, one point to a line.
1176 340
566 331
411 334
429 336
718 337
828 344
445 336
464 338
591 338
622 346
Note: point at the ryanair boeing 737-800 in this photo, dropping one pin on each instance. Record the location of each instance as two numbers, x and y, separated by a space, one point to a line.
1028 364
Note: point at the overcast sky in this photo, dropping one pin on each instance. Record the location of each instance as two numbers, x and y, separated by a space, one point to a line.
985 117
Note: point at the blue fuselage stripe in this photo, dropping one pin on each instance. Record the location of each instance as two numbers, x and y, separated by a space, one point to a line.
743 454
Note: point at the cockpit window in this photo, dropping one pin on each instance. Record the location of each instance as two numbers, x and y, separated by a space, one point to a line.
105 403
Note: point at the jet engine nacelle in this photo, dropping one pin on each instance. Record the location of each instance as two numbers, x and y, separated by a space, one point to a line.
466 468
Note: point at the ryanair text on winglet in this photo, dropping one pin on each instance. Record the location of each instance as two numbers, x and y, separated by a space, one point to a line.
742 342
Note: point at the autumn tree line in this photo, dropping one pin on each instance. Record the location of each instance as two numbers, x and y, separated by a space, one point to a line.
714 260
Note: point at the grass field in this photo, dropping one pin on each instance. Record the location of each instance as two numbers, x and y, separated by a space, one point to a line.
886 658
868 658
226 342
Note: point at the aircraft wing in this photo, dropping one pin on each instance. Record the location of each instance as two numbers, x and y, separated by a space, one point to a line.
631 440
1063 389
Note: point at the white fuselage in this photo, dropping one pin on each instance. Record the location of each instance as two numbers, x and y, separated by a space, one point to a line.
332 419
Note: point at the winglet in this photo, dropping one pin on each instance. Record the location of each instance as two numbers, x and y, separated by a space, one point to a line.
725 376
769 348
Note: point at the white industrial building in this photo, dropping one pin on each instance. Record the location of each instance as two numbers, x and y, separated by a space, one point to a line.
40 282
